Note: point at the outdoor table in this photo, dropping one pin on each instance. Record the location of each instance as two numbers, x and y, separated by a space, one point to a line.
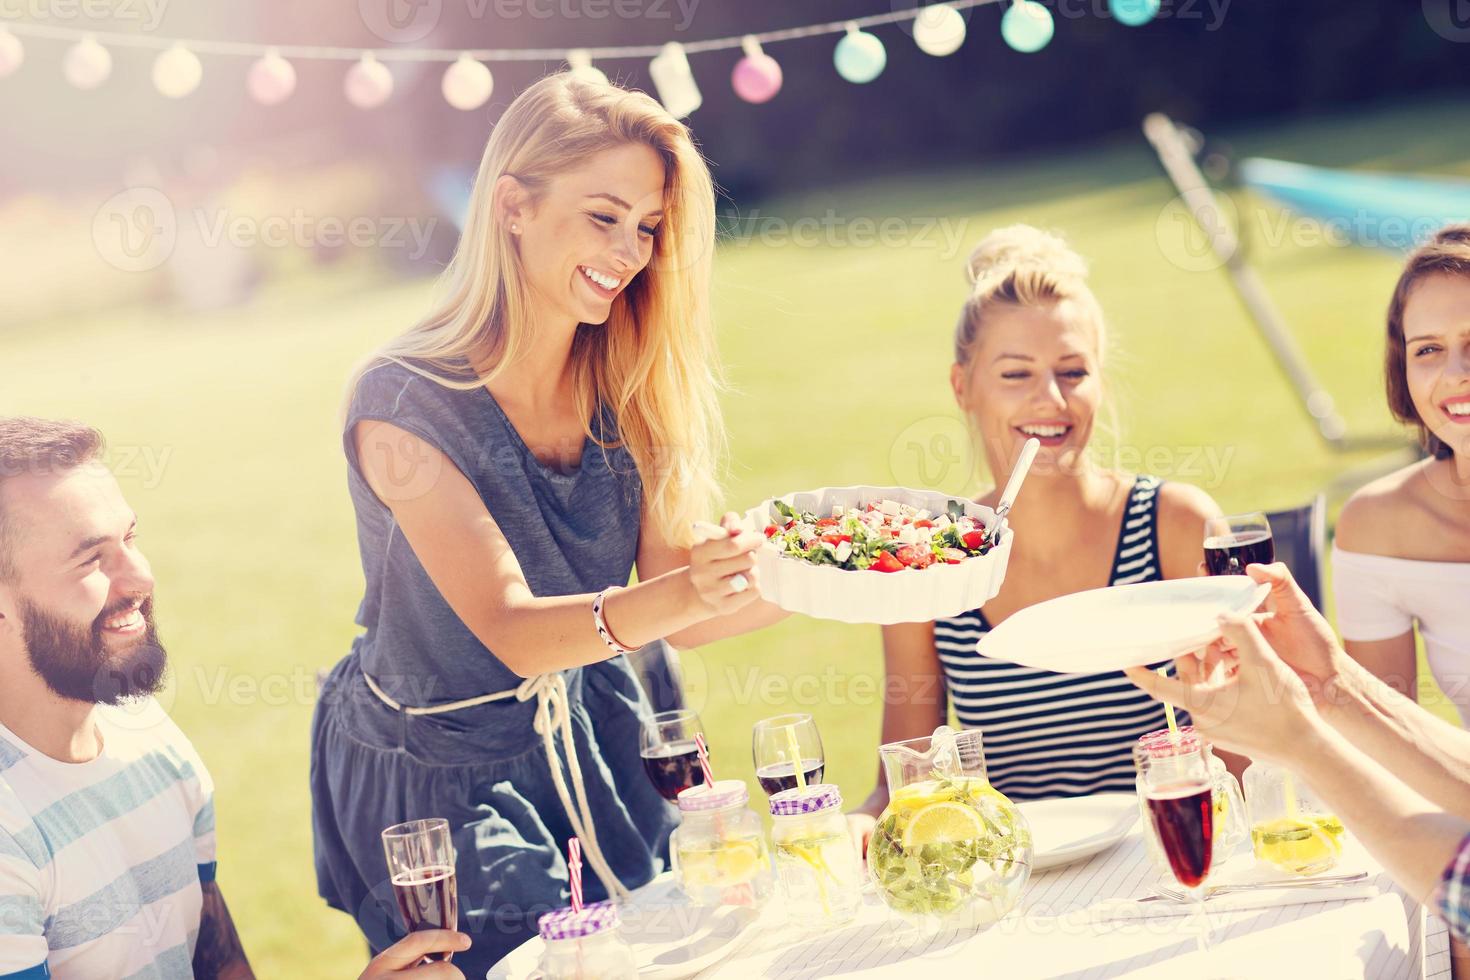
1079 922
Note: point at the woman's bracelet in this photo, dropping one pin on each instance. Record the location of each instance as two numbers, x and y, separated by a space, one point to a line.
600 621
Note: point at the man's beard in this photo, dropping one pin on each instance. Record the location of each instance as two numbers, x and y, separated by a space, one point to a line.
76 662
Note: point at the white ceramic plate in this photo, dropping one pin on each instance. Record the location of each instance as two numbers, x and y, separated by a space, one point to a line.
1067 830
1121 626
670 939
911 596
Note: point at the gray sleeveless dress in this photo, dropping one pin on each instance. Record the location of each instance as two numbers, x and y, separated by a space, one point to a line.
483 768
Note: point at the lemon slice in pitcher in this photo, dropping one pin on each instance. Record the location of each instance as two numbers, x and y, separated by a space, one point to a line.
943 823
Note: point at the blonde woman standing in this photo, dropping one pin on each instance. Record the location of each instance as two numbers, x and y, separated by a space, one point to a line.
1028 358
551 425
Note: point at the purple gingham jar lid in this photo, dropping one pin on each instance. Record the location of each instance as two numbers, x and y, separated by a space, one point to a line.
795 802
570 924
724 792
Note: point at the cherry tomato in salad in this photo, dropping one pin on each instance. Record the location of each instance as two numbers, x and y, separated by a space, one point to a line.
973 539
885 562
915 556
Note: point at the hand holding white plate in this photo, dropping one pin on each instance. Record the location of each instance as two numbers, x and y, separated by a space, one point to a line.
1121 626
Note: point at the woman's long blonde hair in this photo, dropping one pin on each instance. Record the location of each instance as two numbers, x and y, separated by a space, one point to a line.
655 362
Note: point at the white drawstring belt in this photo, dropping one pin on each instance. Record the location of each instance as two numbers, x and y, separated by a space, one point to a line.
553 714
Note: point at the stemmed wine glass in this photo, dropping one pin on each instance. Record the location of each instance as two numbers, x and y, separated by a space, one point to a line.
1237 540
1174 776
779 744
670 756
420 857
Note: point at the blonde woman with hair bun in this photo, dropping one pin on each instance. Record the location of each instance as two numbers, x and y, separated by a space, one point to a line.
1028 362
548 427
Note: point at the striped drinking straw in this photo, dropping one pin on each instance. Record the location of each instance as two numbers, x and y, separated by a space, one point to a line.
574 868
709 777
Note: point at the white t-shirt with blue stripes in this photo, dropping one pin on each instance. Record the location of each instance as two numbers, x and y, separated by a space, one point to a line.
102 862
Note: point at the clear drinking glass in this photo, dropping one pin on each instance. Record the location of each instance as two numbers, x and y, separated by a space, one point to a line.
1177 787
779 744
1231 820
1291 831
420 857
669 754
1237 540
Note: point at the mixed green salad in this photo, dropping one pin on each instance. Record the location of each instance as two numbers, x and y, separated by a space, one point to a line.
881 536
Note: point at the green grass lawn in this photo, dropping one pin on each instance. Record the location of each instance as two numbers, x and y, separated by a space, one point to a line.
839 351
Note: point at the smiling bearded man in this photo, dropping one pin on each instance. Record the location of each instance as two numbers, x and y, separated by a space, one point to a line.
107 848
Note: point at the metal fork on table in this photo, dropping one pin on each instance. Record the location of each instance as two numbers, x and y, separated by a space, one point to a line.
1171 894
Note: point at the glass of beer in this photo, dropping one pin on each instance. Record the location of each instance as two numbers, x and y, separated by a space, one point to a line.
421 867
1237 540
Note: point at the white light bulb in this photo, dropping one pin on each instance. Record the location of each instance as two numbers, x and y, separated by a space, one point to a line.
467 84
87 64
939 30
271 79
368 83
177 71
12 53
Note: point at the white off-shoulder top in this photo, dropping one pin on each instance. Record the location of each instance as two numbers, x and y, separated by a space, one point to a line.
1379 598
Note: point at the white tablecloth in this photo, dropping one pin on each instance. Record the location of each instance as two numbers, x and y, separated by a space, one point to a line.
1074 922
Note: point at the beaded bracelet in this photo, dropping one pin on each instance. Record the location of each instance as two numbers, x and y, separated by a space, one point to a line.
600 621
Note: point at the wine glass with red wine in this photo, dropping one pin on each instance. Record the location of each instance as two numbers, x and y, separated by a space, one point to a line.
1235 541
1177 789
421 866
670 756
782 743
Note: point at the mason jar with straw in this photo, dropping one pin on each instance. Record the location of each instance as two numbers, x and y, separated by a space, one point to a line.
582 941
719 850
817 866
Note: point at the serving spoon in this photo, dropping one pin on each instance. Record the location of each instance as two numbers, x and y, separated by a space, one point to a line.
1013 487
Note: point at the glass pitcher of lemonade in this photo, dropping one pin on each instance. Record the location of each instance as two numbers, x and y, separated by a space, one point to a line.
949 851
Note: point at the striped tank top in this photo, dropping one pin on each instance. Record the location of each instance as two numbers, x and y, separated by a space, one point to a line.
1049 734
